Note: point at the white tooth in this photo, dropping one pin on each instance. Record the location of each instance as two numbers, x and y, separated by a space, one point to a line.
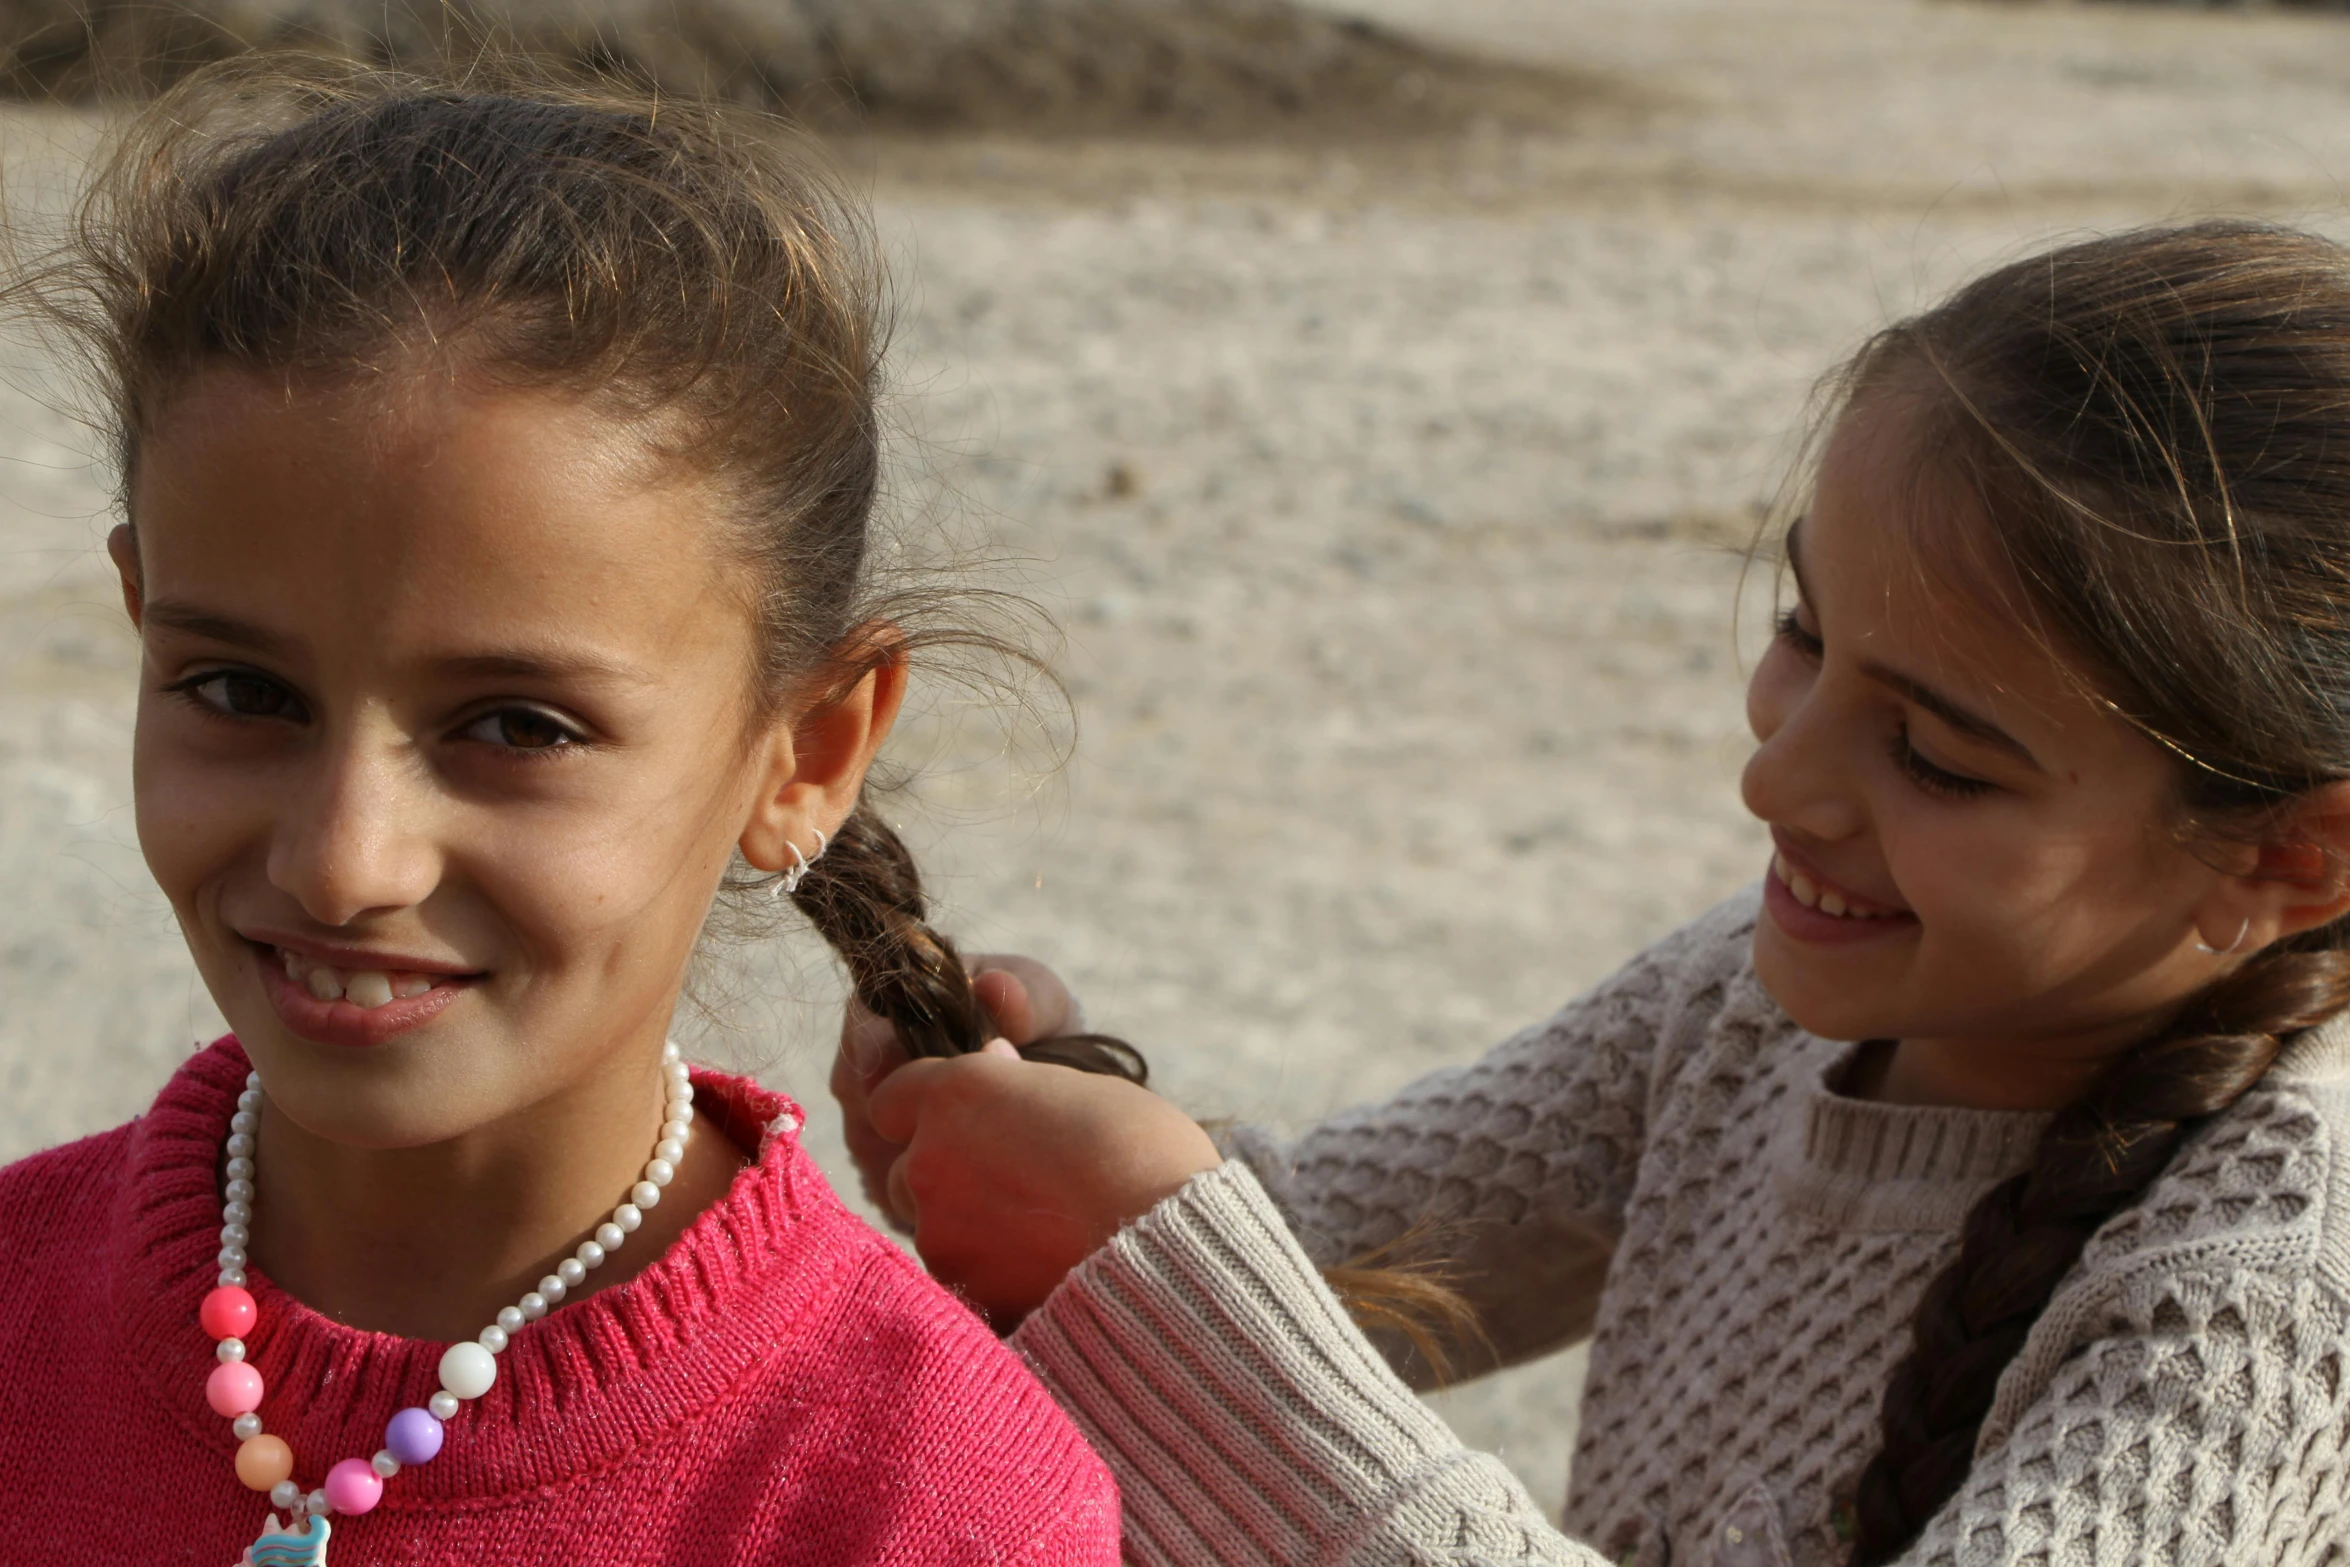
1805 893
368 988
1779 865
324 983
413 985
294 965
1831 904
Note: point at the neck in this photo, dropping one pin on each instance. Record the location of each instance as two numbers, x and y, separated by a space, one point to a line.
1979 1074
430 1242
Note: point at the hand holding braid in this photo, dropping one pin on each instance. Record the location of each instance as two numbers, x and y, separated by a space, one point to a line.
2096 1158
864 896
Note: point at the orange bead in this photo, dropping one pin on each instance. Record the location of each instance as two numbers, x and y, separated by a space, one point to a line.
263 1461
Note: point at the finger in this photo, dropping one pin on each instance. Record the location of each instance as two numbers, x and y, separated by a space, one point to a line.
1050 1008
894 1109
869 1043
899 1197
1006 1001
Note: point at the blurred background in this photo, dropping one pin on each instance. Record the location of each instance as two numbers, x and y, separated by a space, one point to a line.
1379 398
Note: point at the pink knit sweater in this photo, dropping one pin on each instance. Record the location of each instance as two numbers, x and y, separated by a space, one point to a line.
782 1386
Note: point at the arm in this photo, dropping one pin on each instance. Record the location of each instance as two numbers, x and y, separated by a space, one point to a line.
1247 1420
1512 1173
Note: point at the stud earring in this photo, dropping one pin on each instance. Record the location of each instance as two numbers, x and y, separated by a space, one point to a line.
788 882
2211 951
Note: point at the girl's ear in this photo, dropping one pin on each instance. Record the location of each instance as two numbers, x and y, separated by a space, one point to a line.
2300 879
816 760
122 547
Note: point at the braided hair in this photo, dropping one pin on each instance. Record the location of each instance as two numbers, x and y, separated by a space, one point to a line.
2157 428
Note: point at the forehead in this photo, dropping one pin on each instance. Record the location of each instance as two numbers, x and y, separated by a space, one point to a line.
426 510
1904 563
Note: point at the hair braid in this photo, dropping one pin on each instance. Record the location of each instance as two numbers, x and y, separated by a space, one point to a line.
2096 1158
864 896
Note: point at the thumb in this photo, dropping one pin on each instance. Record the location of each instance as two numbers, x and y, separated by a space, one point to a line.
1007 1002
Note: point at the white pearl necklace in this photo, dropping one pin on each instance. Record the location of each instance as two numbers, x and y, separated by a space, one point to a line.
467 1369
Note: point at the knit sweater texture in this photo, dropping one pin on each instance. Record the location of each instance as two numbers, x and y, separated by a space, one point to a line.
1665 1165
781 1386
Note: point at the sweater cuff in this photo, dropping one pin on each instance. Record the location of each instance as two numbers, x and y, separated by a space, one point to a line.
1245 1416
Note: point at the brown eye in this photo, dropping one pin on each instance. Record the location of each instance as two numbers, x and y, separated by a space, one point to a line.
521 729
240 693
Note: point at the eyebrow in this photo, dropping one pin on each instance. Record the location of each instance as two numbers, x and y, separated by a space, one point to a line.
1966 721
524 663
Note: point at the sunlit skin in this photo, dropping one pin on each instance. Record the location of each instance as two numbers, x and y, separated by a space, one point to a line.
2042 907
456 680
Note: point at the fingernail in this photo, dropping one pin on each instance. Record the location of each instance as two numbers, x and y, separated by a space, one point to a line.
1000 1047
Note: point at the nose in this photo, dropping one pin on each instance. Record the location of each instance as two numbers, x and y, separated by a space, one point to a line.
355 838
1805 774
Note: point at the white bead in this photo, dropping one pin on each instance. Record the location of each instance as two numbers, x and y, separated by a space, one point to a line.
534 1304
553 1288
682 1094
511 1318
234 1234
240 1146
232 1256
239 1189
443 1405
240 1169
384 1464
244 1121
468 1370
590 1254
250 1099
660 1172
229 1349
246 1427
679 1129
319 1506
232 1276
237 1212
609 1236
645 1195
628 1216
676 1070
284 1495
493 1339
669 1050
252 1079
668 1151
571 1270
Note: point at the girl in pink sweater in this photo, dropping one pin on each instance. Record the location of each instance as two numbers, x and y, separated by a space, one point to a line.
496 477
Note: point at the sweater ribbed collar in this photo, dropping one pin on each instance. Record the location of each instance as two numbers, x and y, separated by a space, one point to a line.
582 1389
1853 1164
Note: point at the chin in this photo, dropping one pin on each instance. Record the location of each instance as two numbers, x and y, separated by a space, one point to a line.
1819 1003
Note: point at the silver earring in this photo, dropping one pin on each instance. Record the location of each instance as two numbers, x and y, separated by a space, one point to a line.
784 885
2211 951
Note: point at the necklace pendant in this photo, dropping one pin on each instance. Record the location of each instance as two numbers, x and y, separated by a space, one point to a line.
280 1546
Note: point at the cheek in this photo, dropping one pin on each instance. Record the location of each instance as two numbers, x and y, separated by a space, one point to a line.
1778 684
196 819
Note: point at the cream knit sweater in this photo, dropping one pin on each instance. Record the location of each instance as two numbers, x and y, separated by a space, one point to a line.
1664 1164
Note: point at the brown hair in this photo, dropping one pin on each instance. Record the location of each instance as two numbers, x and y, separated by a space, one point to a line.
2157 428
695 271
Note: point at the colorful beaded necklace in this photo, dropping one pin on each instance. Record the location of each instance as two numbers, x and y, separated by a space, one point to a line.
413 1436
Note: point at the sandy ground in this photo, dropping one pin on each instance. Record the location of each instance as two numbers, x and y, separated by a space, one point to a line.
1389 502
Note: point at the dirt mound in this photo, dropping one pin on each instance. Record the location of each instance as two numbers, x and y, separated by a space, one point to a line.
1194 68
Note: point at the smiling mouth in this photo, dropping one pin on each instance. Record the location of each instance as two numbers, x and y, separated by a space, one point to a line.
1834 902
363 988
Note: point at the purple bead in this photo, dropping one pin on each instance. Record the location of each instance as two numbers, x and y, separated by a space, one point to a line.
413 1437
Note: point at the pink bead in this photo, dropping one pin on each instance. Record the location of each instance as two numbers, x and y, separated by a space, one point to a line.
233 1389
227 1312
353 1486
